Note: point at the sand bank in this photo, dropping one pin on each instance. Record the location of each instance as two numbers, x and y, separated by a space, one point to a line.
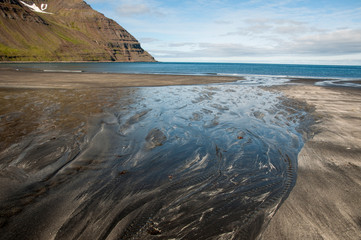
325 203
15 79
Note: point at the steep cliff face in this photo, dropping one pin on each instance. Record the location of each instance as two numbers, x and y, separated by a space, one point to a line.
63 30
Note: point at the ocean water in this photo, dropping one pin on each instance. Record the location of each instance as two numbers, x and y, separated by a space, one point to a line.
233 69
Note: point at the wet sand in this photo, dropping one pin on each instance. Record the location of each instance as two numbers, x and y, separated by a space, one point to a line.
91 159
27 79
49 113
325 203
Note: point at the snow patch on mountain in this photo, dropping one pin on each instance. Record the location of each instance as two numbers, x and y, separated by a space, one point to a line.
35 8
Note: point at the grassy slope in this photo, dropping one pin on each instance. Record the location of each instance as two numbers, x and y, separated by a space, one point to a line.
68 35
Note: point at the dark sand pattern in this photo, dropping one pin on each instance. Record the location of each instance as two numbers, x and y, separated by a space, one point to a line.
180 162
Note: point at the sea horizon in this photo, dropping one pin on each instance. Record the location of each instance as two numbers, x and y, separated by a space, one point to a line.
194 68
185 62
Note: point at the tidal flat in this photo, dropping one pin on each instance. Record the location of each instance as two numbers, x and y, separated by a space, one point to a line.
208 161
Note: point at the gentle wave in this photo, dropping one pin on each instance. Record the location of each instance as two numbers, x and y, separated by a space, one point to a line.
62 71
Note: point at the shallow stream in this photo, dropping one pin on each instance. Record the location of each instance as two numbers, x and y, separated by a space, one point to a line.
176 162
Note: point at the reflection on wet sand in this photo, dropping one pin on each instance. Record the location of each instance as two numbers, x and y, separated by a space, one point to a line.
177 162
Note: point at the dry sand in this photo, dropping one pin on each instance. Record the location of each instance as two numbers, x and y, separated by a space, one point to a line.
326 201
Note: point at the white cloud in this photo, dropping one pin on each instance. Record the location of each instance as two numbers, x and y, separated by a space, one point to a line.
338 42
182 44
210 50
222 22
341 44
268 26
148 40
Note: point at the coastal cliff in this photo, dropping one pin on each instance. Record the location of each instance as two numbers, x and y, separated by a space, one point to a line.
56 30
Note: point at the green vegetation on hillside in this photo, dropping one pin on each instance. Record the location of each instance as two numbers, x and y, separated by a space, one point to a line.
75 32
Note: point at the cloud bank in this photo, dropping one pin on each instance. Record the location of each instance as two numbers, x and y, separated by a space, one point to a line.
247 31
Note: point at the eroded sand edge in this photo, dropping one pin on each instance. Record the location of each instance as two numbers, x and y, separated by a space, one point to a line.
325 203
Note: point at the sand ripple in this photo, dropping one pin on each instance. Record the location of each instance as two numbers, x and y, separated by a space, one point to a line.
182 162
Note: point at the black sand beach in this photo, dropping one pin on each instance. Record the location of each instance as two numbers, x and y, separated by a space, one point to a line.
83 157
325 203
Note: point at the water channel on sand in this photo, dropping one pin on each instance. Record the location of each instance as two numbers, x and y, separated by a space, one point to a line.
177 162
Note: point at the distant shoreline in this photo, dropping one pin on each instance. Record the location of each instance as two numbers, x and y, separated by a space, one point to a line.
156 61
34 62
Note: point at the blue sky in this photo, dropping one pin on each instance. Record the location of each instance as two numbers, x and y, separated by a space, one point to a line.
250 31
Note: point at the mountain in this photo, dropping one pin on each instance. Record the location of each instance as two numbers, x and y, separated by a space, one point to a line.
63 30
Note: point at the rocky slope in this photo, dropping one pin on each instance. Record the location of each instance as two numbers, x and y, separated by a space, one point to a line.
59 30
